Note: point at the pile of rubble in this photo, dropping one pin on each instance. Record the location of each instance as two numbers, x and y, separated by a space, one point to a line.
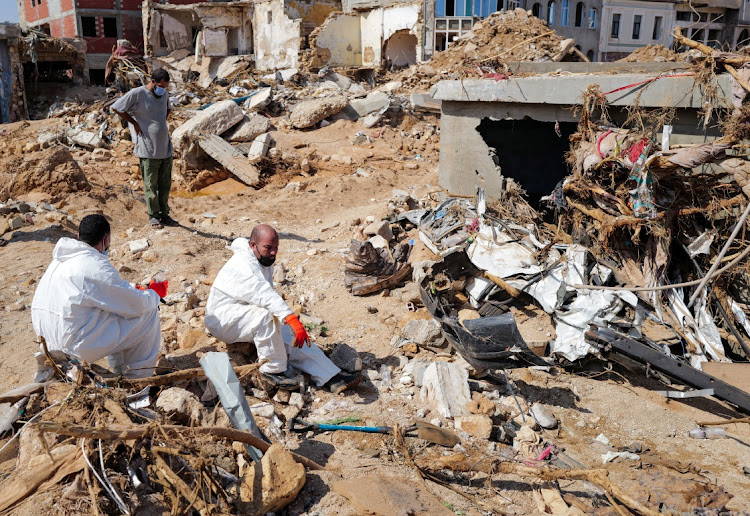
502 37
655 53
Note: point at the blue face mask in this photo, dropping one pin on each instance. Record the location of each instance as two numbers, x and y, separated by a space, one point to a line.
159 91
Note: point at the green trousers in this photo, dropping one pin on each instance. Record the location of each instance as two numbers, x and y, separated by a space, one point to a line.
157 181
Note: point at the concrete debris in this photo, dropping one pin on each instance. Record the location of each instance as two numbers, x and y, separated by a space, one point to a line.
182 406
543 416
259 100
382 228
138 246
374 102
216 119
259 148
248 129
309 112
446 386
86 139
231 158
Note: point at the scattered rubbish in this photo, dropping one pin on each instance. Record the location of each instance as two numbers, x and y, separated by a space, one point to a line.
707 433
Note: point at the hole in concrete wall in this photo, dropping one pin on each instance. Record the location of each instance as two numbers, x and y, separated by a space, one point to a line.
401 50
530 152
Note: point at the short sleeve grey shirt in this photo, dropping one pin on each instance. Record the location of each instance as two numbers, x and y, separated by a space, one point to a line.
150 112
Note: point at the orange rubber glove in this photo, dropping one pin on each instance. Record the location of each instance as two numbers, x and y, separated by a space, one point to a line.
300 334
160 288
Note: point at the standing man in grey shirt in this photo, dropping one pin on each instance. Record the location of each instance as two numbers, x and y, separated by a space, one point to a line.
146 109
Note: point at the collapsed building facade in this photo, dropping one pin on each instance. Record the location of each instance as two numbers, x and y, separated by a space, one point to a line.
12 98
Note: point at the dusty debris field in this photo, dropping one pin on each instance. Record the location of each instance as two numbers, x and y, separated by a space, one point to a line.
365 474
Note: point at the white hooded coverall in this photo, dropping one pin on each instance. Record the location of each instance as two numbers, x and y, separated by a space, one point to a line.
244 307
84 308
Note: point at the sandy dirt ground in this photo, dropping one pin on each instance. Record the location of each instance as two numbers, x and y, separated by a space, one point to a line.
316 217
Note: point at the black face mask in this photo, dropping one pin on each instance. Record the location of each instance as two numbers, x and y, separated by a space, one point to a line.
267 261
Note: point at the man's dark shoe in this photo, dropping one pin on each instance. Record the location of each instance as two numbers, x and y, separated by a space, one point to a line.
281 382
343 382
169 221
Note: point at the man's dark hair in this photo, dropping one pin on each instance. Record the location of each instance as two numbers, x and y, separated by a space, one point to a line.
160 75
93 229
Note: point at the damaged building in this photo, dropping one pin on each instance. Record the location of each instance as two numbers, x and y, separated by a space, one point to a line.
272 33
12 98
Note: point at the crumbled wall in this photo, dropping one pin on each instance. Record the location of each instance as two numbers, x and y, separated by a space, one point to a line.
13 102
276 36
358 38
313 13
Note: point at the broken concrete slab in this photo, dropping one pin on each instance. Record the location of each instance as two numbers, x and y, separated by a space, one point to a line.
248 129
309 112
181 405
259 100
543 416
424 102
216 119
374 101
346 357
476 425
446 386
231 158
271 484
137 246
259 148
87 139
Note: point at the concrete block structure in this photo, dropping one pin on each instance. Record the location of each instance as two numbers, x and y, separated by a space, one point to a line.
491 130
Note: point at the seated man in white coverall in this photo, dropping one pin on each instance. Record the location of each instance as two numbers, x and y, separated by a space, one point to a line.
84 308
244 307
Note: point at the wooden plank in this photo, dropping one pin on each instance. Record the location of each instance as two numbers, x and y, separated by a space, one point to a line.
737 374
234 161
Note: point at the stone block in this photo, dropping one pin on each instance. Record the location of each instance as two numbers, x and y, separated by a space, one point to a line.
309 112
182 406
476 425
346 357
216 119
259 148
423 332
446 386
382 228
259 100
248 129
271 484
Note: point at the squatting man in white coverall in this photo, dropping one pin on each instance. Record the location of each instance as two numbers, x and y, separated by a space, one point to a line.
84 308
244 307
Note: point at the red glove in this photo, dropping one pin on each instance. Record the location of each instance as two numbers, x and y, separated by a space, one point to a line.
160 288
300 334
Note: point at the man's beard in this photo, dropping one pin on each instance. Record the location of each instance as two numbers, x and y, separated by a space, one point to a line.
267 261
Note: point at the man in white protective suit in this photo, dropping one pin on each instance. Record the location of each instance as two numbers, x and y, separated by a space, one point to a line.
244 307
84 308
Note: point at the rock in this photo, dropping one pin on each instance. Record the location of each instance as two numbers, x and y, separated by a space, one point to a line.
262 410
150 256
341 81
344 160
259 148
543 416
138 246
101 155
216 119
259 100
16 222
382 228
309 112
182 406
248 129
423 332
190 338
481 405
509 405
467 314
282 396
446 385
372 120
135 170
346 357
271 484
296 400
476 425
390 87
416 369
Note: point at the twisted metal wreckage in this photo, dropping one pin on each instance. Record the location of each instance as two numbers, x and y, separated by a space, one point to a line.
630 213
